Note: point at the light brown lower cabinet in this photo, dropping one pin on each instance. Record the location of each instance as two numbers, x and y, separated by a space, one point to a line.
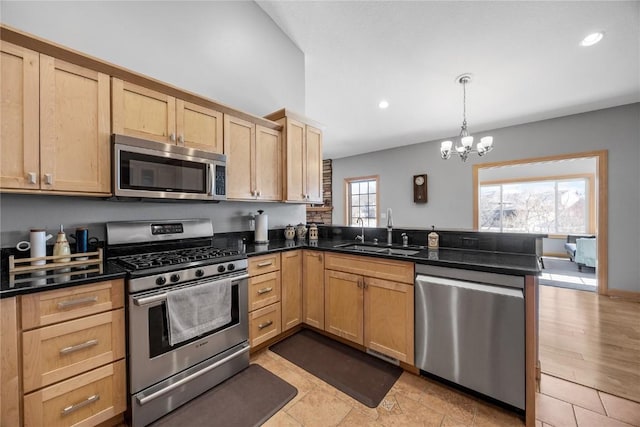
291 289
313 288
376 312
87 399
265 311
65 360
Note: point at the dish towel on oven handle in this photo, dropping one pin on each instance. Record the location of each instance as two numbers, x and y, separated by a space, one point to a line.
194 310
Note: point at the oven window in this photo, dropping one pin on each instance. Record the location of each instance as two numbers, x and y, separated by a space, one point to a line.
155 173
159 331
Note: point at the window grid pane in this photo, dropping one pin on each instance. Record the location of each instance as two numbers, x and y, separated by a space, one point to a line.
362 200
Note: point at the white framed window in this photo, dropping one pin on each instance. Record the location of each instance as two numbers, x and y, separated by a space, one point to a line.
362 200
554 205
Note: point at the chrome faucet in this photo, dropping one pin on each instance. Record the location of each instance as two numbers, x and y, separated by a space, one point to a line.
389 227
361 236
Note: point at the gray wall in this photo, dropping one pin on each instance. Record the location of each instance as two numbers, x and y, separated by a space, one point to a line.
21 212
231 52
450 189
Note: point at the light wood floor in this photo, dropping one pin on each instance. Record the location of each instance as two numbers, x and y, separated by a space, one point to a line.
591 340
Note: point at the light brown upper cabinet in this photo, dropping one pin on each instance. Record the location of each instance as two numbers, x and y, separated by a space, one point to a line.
55 125
147 114
254 160
302 157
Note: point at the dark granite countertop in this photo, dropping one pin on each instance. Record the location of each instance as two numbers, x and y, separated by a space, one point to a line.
27 283
493 262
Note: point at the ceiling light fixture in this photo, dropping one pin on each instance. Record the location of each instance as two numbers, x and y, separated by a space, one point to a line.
592 39
466 141
383 104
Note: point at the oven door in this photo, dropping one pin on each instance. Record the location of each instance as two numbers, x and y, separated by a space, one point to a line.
148 169
152 359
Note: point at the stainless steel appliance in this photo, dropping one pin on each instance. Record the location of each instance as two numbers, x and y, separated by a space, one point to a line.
149 169
162 256
470 330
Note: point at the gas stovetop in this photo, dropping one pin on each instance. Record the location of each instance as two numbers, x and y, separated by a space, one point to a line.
189 256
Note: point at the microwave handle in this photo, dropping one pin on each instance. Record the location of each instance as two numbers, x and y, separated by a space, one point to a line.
211 181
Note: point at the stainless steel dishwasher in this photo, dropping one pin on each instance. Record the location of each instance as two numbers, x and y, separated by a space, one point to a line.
470 330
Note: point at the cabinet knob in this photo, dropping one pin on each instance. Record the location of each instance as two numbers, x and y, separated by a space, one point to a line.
48 178
181 140
258 193
32 177
172 137
253 193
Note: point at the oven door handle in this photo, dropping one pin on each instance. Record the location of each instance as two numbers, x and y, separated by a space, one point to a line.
146 399
140 301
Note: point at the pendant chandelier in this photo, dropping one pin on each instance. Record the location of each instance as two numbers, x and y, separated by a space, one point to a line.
465 145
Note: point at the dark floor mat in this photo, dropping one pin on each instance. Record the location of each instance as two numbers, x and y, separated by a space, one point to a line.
361 376
247 399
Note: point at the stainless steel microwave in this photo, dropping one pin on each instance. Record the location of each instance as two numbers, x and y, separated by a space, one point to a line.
149 169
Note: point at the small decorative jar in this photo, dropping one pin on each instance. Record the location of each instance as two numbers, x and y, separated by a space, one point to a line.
301 231
313 232
289 232
433 238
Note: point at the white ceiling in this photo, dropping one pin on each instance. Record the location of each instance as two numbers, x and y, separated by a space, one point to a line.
524 56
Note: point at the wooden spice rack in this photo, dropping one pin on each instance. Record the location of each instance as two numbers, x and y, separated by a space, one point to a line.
23 265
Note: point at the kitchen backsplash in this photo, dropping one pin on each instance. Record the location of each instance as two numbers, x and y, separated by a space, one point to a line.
19 213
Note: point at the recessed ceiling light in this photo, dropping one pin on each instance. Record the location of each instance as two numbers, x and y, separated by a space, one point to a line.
383 104
592 39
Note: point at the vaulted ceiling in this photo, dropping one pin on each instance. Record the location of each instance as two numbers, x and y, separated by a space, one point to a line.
524 57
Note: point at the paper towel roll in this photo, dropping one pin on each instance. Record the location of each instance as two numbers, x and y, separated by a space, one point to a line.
262 228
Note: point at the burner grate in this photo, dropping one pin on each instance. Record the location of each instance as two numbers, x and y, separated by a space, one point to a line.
176 257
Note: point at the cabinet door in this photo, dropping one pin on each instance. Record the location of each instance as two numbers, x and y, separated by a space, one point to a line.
199 127
74 128
268 168
9 378
20 131
143 113
343 309
291 289
239 147
295 160
388 317
313 289
314 164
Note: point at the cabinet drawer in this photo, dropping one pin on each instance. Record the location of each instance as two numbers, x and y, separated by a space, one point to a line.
86 400
264 290
398 271
46 308
54 353
264 324
264 264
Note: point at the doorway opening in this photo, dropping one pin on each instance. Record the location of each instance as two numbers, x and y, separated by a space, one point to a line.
563 196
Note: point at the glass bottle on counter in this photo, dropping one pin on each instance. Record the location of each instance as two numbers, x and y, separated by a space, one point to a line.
433 240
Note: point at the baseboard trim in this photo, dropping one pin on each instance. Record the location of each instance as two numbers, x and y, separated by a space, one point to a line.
620 293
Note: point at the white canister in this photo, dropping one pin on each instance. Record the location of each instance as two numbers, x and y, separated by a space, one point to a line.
262 228
37 243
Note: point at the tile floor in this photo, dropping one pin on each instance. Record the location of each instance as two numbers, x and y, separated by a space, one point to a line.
416 401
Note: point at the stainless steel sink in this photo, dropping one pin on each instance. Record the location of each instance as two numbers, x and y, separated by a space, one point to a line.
376 249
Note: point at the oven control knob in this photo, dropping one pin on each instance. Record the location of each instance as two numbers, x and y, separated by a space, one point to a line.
161 281
199 272
175 277
231 267
221 268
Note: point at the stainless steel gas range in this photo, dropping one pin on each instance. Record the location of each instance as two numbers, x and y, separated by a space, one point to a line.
169 256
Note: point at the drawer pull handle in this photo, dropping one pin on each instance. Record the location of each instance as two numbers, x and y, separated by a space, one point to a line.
77 347
76 406
265 264
265 324
264 290
73 302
